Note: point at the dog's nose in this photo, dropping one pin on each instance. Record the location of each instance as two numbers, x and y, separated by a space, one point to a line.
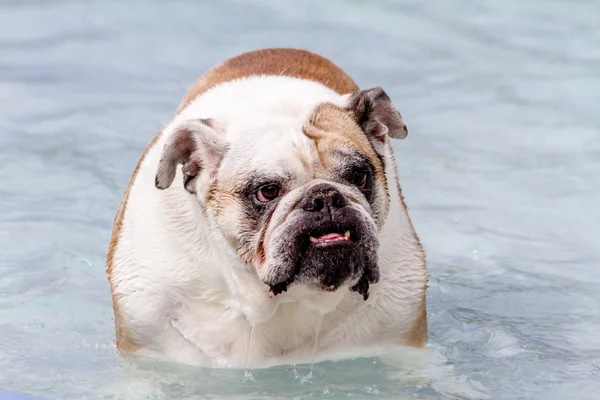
323 196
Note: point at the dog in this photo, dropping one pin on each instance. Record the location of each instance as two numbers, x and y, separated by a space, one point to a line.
265 223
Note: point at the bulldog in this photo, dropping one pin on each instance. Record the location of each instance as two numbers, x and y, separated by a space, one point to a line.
265 223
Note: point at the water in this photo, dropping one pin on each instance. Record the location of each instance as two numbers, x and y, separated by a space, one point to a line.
500 171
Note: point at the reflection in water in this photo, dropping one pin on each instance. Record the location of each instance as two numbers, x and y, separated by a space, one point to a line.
499 172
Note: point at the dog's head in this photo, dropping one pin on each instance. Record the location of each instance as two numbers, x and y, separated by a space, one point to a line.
300 199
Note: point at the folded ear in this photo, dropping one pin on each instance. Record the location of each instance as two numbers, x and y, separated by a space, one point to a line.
376 115
195 145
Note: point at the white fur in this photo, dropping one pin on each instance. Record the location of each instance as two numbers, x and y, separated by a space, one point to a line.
184 296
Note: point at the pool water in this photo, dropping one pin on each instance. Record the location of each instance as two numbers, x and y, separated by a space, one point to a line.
500 171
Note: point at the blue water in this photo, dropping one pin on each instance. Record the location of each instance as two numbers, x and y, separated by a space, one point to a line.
500 171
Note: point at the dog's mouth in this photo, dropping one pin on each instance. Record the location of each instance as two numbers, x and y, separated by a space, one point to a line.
324 239
327 256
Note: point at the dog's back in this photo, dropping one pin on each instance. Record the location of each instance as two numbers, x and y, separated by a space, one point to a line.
285 62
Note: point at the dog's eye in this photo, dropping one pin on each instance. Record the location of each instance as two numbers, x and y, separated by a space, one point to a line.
268 193
360 178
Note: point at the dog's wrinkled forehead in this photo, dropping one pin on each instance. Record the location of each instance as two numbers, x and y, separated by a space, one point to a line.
278 147
305 146
332 127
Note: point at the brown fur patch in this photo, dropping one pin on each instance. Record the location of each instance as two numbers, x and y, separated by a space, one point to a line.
260 247
418 332
331 126
280 61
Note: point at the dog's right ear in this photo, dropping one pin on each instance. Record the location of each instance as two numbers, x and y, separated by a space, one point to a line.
197 146
376 115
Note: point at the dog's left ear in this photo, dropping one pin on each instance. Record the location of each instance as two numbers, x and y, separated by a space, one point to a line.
376 115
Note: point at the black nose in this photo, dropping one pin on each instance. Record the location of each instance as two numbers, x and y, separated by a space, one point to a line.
321 197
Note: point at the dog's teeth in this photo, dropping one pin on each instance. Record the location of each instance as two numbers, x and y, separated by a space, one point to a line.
312 239
347 234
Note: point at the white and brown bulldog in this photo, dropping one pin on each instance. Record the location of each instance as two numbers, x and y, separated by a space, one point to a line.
266 215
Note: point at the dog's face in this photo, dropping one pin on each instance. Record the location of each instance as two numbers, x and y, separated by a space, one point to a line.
302 201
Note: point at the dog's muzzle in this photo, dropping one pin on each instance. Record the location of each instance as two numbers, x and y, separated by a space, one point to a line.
330 243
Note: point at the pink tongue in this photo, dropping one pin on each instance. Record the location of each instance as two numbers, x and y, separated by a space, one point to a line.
330 236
